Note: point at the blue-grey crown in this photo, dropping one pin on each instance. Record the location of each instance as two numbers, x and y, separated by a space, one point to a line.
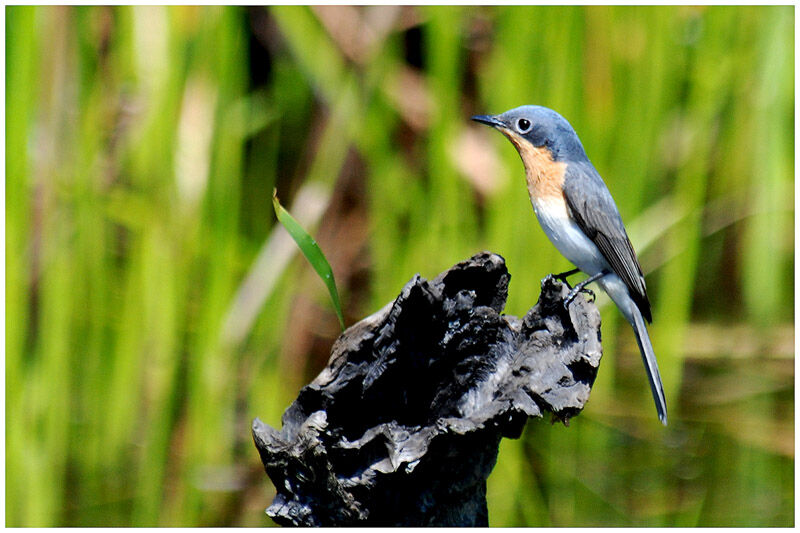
547 129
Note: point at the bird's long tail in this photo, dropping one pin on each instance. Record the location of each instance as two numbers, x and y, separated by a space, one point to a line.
650 364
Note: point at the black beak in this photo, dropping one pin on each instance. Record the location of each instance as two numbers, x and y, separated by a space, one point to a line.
489 120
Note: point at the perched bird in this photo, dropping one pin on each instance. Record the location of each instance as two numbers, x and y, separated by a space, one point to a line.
579 216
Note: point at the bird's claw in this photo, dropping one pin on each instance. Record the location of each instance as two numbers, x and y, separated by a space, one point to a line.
574 292
581 287
562 277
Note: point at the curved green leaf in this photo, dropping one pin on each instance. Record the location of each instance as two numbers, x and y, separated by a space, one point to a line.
311 250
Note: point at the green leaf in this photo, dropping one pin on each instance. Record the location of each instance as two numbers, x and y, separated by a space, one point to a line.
311 250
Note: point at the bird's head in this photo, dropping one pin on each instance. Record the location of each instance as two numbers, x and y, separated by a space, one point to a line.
538 127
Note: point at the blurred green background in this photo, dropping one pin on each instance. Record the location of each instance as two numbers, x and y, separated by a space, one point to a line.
154 308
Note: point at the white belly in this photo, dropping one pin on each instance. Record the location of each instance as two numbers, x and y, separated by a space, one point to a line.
567 237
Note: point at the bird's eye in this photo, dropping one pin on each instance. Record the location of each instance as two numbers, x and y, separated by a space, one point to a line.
523 125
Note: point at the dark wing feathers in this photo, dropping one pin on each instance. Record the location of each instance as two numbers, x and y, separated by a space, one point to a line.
591 206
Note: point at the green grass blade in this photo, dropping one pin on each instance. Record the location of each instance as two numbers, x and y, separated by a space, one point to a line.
311 250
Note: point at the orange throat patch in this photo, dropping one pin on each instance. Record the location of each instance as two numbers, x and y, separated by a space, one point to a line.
545 177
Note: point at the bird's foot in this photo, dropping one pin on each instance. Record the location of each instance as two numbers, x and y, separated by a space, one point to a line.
581 287
574 292
564 275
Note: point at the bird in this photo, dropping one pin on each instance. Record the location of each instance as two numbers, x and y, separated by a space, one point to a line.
577 213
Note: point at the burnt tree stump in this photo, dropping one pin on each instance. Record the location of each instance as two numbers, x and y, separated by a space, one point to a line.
403 425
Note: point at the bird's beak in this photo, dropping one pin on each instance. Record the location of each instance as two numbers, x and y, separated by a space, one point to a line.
489 120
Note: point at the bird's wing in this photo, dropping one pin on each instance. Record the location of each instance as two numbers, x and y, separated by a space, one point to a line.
593 209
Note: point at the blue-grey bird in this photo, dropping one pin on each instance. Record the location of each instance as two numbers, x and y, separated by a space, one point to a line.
578 214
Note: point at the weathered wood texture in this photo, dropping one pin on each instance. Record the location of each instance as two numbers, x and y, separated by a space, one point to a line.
403 425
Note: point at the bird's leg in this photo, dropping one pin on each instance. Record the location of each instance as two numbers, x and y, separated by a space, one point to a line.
564 275
580 287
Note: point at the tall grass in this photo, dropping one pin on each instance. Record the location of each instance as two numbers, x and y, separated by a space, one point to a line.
153 307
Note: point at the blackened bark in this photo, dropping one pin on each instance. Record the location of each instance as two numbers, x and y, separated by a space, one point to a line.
402 427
